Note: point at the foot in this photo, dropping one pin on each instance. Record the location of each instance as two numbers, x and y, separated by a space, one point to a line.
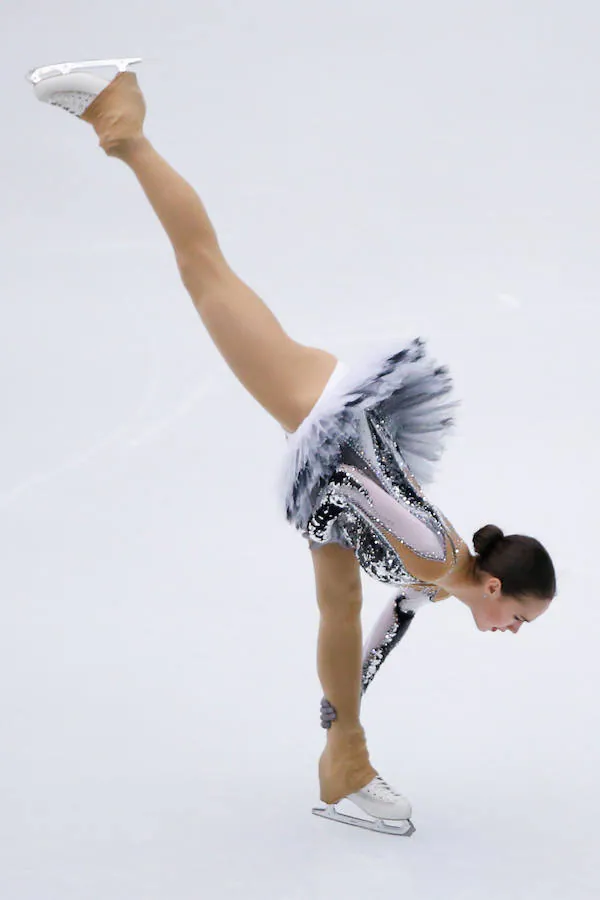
117 114
344 766
381 801
115 108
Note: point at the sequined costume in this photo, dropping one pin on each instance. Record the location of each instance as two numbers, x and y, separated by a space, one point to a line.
391 626
389 629
353 475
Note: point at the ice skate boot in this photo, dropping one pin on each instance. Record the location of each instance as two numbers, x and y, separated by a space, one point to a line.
72 88
116 108
381 803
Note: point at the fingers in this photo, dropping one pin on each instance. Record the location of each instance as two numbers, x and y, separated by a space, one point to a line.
328 713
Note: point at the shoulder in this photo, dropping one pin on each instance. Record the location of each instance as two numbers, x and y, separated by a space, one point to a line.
437 593
457 556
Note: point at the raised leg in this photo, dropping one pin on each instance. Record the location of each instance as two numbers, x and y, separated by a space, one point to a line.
284 376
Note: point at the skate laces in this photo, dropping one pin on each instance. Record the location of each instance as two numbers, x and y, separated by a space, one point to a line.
381 790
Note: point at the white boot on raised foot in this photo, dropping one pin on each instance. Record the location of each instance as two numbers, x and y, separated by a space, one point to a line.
70 87
381 802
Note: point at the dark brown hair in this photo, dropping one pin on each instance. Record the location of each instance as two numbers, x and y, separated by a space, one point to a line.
521 563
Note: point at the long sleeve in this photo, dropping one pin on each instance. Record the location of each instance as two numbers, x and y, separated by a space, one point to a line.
410 527
388 631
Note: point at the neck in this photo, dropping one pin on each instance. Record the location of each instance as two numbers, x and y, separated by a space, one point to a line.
463 582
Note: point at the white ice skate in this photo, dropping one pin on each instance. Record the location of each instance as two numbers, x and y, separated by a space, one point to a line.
380 802
72 88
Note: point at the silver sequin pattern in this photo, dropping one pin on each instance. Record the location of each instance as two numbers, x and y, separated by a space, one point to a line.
74 102
336 518
402 619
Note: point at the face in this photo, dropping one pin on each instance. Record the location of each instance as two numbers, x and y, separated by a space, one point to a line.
499 613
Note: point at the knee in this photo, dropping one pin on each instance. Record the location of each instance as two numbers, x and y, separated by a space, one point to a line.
343 606
201 267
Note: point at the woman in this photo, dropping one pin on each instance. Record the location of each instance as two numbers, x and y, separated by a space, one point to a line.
361 443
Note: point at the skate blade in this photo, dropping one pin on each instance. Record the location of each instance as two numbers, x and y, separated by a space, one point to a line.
330 812
37 75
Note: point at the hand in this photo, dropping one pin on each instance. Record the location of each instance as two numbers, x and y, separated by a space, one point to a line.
328 713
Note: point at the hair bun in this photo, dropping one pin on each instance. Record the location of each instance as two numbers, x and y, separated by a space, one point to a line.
486 539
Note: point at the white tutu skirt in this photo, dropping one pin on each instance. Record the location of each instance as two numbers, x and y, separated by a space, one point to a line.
408 393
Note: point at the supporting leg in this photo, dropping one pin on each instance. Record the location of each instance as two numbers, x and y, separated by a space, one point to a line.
344 767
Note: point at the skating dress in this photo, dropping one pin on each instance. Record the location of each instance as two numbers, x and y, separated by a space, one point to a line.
353 475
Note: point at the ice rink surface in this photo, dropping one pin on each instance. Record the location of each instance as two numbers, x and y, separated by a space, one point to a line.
373 170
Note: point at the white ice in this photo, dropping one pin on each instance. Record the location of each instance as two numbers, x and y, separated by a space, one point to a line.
372 169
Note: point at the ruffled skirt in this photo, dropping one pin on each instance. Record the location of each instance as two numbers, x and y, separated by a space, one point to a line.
408 392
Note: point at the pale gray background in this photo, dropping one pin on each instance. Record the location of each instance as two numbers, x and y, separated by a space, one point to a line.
373 170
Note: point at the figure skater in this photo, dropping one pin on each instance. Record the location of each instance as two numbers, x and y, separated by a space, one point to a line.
361 443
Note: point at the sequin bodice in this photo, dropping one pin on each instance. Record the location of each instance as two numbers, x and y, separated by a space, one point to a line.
373 504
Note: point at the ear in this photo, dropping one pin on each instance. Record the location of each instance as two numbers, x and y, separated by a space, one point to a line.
494 585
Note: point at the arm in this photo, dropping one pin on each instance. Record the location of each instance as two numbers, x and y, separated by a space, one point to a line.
390 628
423 547
388 631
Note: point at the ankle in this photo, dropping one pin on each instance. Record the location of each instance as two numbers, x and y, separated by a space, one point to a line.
346 735
128 149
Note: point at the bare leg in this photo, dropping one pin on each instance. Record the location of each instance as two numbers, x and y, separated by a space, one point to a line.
344 767
284 376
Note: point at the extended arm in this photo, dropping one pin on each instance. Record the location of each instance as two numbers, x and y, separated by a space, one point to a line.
388 631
